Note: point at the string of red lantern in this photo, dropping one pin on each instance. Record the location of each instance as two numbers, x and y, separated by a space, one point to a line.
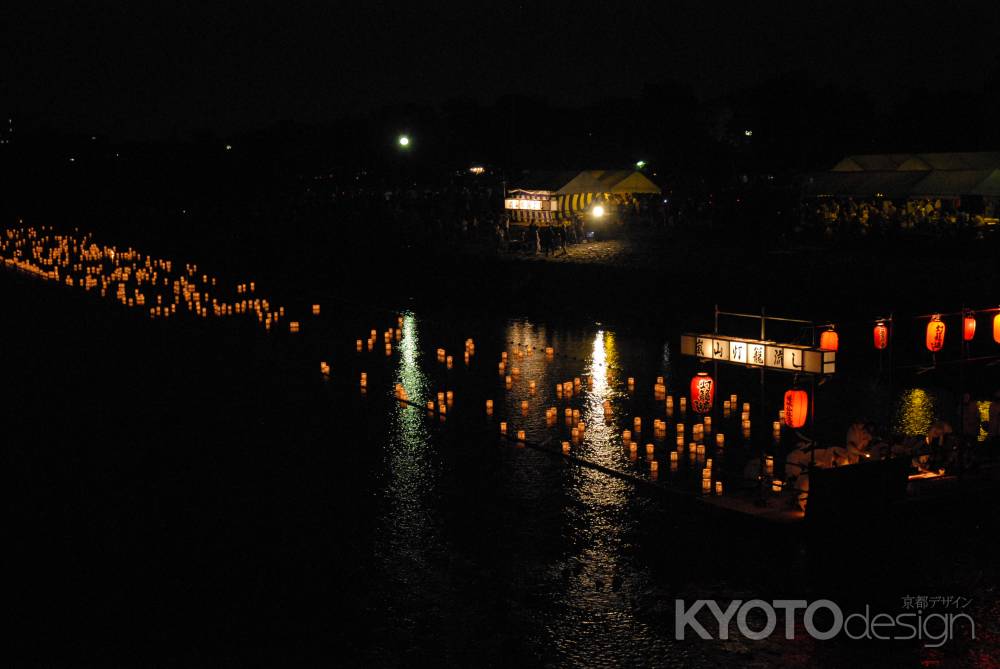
968 326
702 392
935 334
796 407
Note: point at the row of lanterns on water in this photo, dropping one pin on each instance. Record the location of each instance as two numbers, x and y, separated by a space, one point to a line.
134 279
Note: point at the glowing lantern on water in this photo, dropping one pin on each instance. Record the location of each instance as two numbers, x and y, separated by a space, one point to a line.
968 327
796 408
935 334
829 340
996 328
702 392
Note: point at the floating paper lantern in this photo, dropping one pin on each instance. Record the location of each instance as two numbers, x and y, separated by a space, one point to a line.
829 340
996 328
503 427
702 392
293 326
776 485
720 440
565 447
654 466
769 465
796 408
489 406
935 334
520 435
968 327
718 487
315 310
881 335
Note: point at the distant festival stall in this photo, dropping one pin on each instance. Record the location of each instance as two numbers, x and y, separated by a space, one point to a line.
560 198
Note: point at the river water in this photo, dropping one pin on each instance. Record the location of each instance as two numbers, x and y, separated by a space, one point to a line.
228 500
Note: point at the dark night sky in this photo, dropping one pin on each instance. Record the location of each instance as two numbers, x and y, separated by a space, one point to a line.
136 69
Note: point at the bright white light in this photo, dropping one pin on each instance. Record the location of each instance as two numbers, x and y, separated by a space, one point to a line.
640 164
598 211
404 140
748 132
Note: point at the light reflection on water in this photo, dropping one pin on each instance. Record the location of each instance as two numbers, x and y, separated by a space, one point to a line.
569 524
915 411
407 528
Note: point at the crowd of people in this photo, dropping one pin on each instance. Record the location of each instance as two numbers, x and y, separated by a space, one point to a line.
835 217
941 449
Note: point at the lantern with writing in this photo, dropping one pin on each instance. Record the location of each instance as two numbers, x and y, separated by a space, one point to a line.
996 328
968 327
829 341
702 392
796 408
935 334
881 335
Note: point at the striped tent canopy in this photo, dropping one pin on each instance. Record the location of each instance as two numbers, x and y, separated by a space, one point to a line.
579 194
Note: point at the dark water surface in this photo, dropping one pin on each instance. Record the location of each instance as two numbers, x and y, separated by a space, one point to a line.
197 494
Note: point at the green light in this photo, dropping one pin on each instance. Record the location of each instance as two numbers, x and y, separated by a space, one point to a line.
640 164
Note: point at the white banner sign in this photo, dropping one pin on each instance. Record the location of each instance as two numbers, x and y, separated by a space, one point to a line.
532 205
757 353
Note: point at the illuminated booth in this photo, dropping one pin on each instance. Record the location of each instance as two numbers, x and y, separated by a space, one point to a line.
559 199
532 198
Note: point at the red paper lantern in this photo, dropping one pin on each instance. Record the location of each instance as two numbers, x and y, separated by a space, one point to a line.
935 334
881 335
968 327
796 408
996 328
702 392
829 341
